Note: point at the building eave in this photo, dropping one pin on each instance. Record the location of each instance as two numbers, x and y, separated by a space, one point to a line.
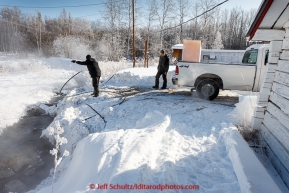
263 9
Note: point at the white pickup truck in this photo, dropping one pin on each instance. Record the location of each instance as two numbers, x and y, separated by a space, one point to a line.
209 78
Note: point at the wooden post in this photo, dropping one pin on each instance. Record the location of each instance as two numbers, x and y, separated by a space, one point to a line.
146 51
133 34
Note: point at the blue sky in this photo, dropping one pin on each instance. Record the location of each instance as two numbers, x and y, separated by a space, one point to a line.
86 11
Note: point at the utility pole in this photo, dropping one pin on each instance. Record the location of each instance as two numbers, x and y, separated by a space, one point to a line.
133 34
40 38
146 52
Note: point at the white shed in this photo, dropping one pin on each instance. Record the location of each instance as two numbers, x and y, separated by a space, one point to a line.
272 113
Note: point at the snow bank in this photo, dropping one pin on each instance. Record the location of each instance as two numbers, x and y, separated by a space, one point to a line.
144 77
149 153
244 110
251 174
112 157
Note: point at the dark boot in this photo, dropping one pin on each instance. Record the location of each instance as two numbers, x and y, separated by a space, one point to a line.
157 80
95 83
165 81
96 94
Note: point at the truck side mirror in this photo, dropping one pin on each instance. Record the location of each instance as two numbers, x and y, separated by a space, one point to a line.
266 56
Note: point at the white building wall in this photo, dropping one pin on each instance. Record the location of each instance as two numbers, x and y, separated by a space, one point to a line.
272 114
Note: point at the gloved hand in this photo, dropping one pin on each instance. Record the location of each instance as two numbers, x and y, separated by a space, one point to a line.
73 61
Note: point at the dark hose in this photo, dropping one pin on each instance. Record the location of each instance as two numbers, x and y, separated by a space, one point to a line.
68 81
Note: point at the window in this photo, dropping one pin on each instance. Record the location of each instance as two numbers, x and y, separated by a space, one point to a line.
250 56
206 57
209 57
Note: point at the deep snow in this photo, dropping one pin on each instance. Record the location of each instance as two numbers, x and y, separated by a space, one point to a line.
25 82
150 136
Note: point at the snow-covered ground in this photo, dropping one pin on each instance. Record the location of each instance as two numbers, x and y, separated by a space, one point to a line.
26 82
140 136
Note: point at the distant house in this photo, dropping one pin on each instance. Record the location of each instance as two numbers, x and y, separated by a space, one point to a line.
272 114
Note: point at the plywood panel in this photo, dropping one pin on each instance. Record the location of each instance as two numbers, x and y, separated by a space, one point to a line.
192 51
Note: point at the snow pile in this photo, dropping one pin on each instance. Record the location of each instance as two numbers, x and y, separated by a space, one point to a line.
144 77
149 153
244 110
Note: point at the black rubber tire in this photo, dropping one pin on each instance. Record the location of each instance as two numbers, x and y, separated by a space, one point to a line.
208 89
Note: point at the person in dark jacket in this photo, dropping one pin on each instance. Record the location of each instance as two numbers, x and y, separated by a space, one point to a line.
163 69
94 71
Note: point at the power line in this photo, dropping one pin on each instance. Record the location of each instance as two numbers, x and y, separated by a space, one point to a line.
88 15
10 22
54 7
196 16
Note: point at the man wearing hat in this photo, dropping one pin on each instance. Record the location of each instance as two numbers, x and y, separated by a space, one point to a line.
94 71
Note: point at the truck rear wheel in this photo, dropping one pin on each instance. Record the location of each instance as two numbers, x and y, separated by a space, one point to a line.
208 89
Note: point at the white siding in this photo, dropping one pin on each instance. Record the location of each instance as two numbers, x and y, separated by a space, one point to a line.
274 98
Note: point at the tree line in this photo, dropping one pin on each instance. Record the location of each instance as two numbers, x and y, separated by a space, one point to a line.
110 36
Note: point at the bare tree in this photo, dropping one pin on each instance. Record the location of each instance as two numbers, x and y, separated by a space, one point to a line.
111 37
207 22
183 9
36 28
164 14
